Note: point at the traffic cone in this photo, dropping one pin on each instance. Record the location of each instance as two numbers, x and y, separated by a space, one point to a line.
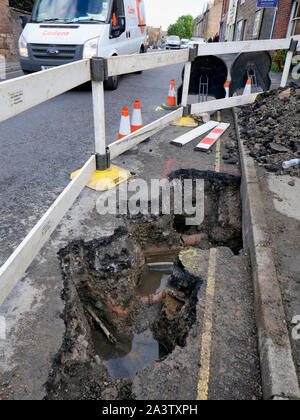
171 101
136 120
227 85
247 90
125 129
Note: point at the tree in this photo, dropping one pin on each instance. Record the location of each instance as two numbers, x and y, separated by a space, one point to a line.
183 27
22 4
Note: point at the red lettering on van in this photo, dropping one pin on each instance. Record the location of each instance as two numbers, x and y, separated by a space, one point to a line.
55 33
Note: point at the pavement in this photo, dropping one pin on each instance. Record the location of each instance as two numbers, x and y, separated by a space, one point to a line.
41 148
283 219
277 359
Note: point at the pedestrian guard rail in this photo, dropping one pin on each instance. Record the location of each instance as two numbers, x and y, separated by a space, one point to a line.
24 93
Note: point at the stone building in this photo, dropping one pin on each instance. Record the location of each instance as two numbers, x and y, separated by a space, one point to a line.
10 29
207 24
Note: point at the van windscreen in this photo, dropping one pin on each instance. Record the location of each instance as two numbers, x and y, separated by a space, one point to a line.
71 10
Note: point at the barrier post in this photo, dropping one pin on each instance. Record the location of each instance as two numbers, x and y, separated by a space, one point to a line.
288 63
98 75
187 75
186 83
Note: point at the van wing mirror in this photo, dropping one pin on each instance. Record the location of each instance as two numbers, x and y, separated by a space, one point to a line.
23 21
117 30
122 23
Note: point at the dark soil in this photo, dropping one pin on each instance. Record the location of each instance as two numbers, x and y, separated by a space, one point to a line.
102 275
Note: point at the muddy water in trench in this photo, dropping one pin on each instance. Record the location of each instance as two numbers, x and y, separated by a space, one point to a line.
133 352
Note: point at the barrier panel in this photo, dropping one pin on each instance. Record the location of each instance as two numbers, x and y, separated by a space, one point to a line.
24 93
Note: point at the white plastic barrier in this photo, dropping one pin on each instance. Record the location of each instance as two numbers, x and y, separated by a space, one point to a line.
21 94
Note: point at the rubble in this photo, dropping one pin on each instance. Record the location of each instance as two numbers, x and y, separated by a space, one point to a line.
270 129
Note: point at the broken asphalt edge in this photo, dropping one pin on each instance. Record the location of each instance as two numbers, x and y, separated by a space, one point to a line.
278 373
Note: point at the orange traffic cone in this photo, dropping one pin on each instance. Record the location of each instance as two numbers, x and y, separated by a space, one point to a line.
247 90
227 85
136 120
125 124
171 101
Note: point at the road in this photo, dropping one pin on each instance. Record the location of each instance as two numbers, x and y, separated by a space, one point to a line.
41 148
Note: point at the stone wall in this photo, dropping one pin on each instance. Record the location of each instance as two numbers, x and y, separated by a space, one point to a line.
10 29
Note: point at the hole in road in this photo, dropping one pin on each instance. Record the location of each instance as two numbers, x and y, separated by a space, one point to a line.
129 301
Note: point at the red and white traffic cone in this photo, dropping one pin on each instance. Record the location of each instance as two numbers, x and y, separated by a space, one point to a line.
171 101
125 128
136 120
227 86
248 87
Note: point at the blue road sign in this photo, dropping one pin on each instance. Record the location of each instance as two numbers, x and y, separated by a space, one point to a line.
267 3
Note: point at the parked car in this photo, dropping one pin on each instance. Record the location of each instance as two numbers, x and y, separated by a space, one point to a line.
60 32
184 43
196 40
173 42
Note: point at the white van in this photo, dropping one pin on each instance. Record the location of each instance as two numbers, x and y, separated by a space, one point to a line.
62 31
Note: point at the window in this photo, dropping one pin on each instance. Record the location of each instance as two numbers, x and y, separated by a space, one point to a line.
71 10
244 36
118 8
294 28
256 24
238 33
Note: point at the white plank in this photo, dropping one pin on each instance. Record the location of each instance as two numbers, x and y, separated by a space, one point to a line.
212 137
219 104
127 143
14 268
186 83
23 93
124 64
237 47
193 134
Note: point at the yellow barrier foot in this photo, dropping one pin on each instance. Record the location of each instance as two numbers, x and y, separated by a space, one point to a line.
185 122
170 107
106 180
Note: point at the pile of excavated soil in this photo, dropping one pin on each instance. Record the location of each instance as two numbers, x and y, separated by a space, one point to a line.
270 129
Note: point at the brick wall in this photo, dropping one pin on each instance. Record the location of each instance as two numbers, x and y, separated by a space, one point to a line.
283 18
10 29
247 12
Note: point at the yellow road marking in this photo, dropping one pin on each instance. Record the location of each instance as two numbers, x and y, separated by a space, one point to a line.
218 148
204 374
218 155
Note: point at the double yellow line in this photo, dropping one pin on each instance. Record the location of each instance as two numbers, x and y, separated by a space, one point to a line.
206 343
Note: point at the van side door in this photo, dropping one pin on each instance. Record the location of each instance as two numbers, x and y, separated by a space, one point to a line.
135 24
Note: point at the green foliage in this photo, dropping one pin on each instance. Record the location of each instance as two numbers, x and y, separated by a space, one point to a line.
279 56
26 5
276 69
183 27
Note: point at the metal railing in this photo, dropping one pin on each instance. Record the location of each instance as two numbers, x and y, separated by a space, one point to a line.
21 94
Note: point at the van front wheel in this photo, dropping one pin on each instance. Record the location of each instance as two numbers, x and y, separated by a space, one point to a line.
142 51
111 83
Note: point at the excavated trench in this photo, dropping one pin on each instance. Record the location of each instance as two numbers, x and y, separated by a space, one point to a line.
129 300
